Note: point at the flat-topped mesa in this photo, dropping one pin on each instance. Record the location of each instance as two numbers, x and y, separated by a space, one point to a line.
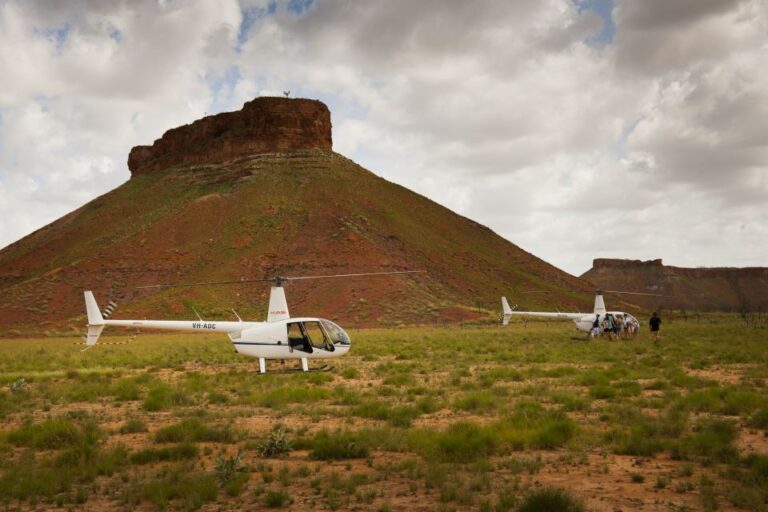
616 262
263 126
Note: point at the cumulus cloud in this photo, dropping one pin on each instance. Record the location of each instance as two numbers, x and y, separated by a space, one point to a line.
571 140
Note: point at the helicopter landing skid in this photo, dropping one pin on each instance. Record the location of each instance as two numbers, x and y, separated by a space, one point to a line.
281 371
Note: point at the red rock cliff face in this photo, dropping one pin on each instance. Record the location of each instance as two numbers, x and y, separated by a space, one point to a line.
702 289
621 263
264 125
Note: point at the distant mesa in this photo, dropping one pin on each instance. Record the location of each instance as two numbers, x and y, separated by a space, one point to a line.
692 289
263 126
615 262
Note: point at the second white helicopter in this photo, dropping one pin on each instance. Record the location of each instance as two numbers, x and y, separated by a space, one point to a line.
585 322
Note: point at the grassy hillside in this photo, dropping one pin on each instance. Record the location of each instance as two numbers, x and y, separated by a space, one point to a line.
307 213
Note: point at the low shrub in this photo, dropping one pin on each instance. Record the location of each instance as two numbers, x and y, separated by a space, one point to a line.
158 398
640 440
54 434
192 488
398 416
350 373
339 445
192 430
476 401
460 442
228 468
133 426
551 500
759 419
570 401
33 477
602 391
531 426
177 452
276 444
277 499
712 440
126 390
503 374
728 401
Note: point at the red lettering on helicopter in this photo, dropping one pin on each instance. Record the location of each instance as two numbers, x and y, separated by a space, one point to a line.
200 325
278 312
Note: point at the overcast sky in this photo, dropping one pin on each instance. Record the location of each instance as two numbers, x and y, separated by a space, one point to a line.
575 129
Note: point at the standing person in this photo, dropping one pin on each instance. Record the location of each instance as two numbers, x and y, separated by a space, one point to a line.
610 327
595 332
618 329
655 323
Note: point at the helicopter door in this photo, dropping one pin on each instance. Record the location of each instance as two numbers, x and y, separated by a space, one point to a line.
317 336
297 338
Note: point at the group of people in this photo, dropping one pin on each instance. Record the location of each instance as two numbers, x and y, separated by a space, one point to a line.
621 326
615 327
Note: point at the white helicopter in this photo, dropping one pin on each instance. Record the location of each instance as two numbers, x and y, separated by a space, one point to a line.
280 337
584 321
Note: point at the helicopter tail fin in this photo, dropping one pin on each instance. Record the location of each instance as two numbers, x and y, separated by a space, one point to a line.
599 303
278 306
95 320
507 311
94 315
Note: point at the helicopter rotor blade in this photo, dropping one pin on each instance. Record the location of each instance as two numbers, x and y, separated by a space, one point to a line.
635 293
277 279
206 283
363 274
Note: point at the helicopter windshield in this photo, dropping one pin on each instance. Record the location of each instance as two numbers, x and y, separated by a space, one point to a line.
338 335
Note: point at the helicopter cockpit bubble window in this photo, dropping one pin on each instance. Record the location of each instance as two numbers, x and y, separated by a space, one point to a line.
317 336
338 335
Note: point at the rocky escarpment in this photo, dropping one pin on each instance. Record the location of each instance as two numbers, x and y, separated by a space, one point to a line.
615 262
262 126
706 289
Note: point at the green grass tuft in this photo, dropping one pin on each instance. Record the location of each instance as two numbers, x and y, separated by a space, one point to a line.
54 434
192 430
192 488
339 445
133 426
713 440
166 453
551 500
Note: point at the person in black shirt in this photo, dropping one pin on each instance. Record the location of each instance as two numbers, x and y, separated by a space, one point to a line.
655 323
